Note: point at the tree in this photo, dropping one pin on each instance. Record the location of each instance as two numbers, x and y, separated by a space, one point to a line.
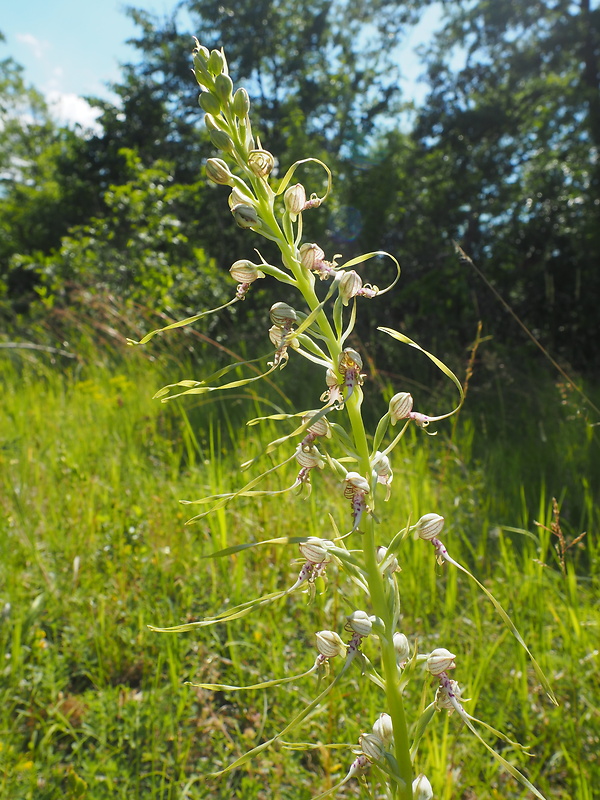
515 134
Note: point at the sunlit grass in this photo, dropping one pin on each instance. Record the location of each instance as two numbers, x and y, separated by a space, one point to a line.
93 548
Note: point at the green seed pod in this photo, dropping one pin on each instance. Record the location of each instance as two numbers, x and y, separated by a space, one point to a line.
209 103
241 103
221 141
224 87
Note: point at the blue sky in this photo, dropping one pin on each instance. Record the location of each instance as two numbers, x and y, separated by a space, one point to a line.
72 48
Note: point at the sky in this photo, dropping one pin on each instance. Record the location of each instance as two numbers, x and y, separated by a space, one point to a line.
72 48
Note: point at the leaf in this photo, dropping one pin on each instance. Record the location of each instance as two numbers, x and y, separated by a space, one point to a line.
182 323
400 337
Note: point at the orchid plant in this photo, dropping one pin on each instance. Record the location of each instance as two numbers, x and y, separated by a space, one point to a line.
330 437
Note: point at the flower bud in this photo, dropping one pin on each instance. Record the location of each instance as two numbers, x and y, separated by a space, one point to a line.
372 746
209 103
283 315
211 123
400 406
237 197
310 254
216 62
201 72
315 550
440 660
380 465
320 428
223 87
310 457
357 483
421 788
402 647
360 622
245 216
384 729
349 285
244 271
241 103
222 141
429 527
261 162
392 565
330 644
295 199
218 172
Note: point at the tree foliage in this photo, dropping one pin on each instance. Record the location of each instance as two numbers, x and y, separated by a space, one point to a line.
502 156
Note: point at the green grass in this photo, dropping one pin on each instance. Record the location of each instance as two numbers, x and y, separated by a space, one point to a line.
93 548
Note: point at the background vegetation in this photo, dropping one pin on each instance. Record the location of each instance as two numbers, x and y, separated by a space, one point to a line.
105 234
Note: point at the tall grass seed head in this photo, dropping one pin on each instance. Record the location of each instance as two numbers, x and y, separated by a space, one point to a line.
400 406
330 644
428 527
440 660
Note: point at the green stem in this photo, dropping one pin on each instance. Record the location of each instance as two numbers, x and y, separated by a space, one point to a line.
395 706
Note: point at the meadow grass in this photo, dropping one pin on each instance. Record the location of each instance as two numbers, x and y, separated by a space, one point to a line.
93 548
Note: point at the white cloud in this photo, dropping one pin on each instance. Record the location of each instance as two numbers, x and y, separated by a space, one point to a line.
70 109
37 46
